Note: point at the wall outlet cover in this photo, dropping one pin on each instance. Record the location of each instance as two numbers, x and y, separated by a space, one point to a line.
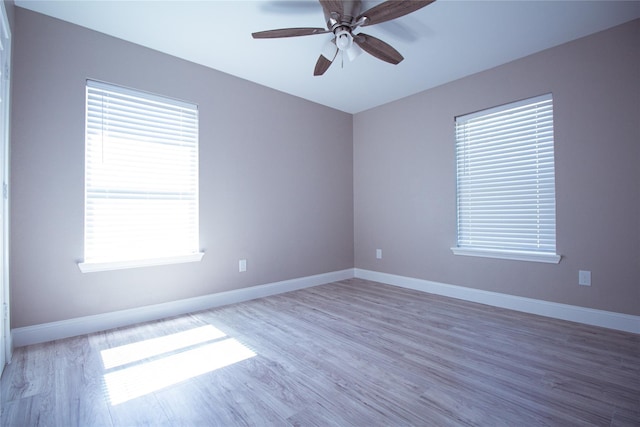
584 278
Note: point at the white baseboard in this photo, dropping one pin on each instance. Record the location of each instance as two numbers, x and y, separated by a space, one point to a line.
589 316
84 325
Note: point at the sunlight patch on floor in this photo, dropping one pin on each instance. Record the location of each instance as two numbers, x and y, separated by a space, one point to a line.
198 354
129 353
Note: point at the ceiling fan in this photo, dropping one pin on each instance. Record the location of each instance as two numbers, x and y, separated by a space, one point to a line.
342 19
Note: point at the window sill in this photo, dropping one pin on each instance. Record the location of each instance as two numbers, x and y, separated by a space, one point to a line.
90 267
512 255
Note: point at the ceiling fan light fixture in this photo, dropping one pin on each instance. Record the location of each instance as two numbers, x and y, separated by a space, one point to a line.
344 40
354 52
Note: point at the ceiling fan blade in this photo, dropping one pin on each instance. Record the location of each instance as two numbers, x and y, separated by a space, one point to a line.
332 7
288 32
391 9
378 48
324 63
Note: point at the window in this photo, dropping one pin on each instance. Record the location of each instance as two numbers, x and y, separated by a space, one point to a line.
506 182
141 179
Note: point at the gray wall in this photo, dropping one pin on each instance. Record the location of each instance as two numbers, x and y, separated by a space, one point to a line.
273 188
404 176
275 191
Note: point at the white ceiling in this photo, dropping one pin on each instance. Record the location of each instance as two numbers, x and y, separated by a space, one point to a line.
442 42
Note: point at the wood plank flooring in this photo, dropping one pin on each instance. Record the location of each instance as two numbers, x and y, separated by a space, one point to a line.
351 353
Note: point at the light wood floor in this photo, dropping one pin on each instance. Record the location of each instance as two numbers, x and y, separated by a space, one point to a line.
352 353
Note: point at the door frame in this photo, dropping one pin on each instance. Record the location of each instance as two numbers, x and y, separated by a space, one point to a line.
6 345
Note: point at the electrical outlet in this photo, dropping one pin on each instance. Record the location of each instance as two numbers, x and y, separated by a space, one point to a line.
584 278
242 265
379 253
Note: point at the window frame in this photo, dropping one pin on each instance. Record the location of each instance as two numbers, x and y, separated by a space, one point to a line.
191 252
520 254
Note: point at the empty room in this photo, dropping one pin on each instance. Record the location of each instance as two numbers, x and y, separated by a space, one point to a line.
320 213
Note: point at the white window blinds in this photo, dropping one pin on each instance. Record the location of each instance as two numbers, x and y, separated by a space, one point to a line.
141 176
505 178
